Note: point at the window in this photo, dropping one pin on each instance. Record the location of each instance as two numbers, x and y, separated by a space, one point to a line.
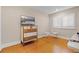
64 21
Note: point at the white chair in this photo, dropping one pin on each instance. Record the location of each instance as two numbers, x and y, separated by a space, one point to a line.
74 42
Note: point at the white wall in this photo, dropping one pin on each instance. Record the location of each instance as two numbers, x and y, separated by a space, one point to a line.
11 22
66 32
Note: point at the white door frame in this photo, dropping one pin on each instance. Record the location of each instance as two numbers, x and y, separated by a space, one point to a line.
0 30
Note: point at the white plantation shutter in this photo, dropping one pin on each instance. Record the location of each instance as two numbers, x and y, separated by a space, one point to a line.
57 22
66 21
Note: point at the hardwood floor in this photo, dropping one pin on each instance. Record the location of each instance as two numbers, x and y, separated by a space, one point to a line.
42 45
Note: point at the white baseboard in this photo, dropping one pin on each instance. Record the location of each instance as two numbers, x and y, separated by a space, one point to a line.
10 44
60 36
63 37
41 36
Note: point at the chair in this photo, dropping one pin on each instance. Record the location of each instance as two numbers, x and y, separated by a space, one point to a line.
74 42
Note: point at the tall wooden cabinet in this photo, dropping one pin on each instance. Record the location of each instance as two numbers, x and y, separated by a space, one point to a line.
28 29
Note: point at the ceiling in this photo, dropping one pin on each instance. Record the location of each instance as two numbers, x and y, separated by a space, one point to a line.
51 9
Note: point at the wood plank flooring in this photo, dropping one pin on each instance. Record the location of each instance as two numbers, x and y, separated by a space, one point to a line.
42 45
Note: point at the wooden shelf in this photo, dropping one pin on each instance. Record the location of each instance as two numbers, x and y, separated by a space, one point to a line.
29 34
31 37
30 30
26 41
27 25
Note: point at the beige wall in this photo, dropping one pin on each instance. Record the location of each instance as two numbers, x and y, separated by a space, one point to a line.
11 22
65 32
